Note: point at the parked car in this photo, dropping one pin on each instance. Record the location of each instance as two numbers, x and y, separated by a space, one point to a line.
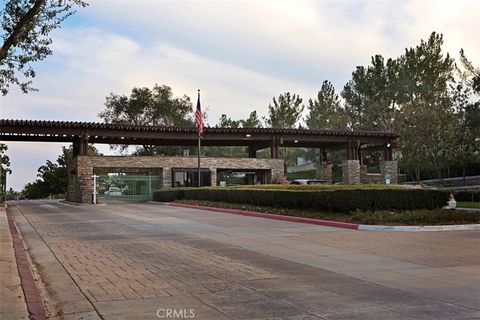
309 181
113 191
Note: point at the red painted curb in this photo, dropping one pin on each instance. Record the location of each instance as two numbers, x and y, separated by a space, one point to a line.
32 294
328 223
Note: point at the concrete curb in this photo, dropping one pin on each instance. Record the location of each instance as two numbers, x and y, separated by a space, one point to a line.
33 296
336 224
328 223
456 227
78 204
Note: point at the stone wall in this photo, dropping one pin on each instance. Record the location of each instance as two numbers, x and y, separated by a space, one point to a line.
82 168
366 177
324 172
351 171
390 168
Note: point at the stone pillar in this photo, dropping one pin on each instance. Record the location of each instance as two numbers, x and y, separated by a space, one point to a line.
390 168
324 172
363 174
351 171
213 176
167 177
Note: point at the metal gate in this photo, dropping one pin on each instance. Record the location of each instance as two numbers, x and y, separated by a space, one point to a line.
127 187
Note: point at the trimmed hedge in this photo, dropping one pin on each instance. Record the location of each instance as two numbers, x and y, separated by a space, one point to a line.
336 200
168 194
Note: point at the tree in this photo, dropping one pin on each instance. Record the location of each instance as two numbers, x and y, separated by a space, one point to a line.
227 122
53 176
285 111
4 170
4 159
325 112
466 92
252 121
371 96
428 124
26 26
144 106
471 75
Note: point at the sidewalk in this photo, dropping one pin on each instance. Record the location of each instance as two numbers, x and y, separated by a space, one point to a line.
13 305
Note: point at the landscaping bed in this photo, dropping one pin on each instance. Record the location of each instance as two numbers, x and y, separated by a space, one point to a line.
381 217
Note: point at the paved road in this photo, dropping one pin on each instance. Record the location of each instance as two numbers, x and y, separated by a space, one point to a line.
132 261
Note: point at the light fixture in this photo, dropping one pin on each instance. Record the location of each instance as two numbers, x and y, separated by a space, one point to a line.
248 135
296 141
388 145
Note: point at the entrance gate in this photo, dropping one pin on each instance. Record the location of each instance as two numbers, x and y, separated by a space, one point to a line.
127 187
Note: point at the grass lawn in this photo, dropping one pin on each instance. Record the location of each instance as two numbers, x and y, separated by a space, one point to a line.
468 204
415 217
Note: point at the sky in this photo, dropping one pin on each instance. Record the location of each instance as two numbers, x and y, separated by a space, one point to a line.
239 53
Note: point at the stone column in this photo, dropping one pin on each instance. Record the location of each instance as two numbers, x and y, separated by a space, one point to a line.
363 174
390 168
324 172
167 177
213 178
351 171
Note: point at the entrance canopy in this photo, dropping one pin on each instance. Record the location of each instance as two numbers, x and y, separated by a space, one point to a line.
83 133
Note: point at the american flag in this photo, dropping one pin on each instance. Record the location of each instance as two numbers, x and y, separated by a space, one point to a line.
198 116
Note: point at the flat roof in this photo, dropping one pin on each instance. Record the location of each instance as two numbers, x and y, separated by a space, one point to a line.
119 133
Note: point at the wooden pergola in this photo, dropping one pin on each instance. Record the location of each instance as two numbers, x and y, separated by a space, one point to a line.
83 133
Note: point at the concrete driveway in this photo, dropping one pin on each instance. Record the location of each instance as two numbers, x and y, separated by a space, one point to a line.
148 261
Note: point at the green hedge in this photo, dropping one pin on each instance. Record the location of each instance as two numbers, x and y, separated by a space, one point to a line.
168 195
337 200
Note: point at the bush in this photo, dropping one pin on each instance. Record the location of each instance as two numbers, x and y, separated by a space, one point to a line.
341 199
168 195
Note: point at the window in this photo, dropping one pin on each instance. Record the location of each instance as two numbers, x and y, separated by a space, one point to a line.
189 178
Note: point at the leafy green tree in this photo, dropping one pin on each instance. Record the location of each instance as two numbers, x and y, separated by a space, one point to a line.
371 96
4 159
52 176
12 194
252 121
26 26
470 75
428 124
285 111
4 170
466 94
227 122
154 107
326 112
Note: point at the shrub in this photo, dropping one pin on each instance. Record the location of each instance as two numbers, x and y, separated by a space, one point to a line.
344 199
168 195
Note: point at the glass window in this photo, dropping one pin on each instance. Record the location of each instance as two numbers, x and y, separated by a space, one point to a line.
189 178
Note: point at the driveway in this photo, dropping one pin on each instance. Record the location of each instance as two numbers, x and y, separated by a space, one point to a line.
152 261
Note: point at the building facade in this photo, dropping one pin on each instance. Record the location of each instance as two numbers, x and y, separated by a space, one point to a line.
166 172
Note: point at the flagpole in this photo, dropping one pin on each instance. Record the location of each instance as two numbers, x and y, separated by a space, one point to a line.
199 147
199 168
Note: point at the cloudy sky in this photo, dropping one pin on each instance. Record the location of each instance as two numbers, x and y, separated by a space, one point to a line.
239 53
